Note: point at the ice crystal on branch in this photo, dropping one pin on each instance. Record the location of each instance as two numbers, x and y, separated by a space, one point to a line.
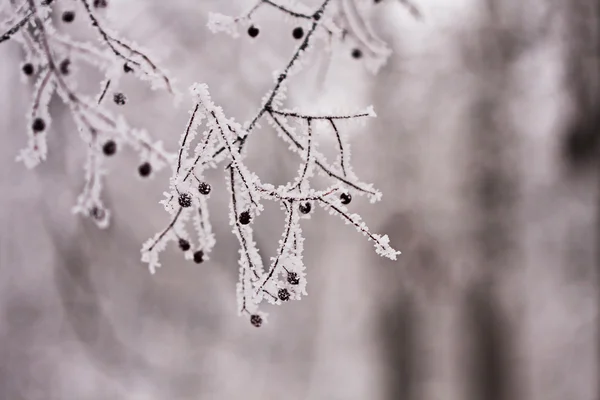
51 60
212 138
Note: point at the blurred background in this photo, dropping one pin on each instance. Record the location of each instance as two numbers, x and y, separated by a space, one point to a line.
485 151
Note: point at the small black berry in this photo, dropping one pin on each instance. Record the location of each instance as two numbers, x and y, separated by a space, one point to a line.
253 31
298 32
356 53
292 278
119 99
28 69
64 66
100 3
305 207
109 148
97 213
256 320
185 200
283 294
317 15
68 16
204 188
127 69
145 169
184 244
346 198
245 218
198 256
38 125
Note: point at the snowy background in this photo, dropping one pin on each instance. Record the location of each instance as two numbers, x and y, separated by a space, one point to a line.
494 297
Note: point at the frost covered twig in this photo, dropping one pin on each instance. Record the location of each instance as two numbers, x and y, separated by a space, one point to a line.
50 61
221 139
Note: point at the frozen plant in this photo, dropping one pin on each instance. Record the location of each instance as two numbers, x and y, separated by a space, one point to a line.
212 138
51 61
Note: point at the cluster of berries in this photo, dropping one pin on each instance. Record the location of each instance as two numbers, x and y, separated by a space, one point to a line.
298 33
185 201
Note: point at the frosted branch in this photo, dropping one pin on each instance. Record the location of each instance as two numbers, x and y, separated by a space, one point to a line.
51 60
222 141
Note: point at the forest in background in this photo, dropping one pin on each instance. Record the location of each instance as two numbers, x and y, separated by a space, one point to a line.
484 149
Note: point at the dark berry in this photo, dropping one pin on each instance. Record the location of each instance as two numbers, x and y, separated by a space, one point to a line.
356 53
119 99
317 15
204 188
38 125
253 31
109 148
184 244
305 207
68 16
298 32
256 320
28 69
245 218
64 66
100 3
145 169
97 213
283 294
198 256
127 69
346 198
185 200
292 278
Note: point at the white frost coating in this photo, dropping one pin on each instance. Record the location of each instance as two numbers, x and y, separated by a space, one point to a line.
206 237
383 248
150 254
371 112
37 147
89 202
223 23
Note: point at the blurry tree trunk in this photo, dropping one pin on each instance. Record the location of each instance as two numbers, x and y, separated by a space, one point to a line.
498 203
